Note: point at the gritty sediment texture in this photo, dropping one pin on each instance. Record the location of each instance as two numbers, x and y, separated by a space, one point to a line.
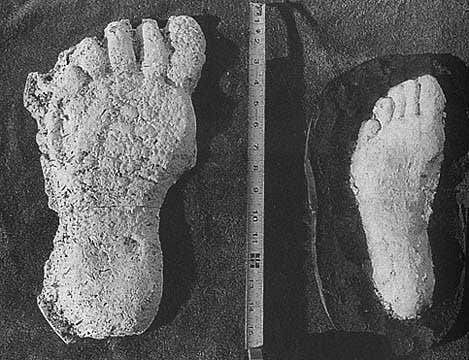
390 241
116 130
394 173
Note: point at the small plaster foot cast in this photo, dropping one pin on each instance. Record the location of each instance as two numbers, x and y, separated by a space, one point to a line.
116 130
395 171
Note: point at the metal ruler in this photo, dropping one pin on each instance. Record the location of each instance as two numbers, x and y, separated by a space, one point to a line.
254 317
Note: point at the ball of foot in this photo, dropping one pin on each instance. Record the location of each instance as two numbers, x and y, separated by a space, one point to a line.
395 171
116 128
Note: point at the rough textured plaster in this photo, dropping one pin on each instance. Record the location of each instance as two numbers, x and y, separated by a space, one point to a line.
116 130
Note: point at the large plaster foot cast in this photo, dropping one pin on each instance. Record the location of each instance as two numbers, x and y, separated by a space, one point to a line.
395 171
116 130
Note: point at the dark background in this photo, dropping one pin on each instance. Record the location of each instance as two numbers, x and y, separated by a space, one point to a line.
202 222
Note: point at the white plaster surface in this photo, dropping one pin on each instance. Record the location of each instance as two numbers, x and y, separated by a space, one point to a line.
116 128
395 171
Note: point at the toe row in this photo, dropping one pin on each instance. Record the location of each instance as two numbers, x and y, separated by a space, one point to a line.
154 51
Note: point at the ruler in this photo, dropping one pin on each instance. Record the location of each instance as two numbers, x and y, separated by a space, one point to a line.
254 317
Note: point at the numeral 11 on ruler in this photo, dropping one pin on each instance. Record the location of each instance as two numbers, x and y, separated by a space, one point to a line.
255 184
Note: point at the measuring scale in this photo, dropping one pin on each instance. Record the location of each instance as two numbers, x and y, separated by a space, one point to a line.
254 316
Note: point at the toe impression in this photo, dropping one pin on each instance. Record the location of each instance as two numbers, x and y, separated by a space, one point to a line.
188 42
432 99
412 96
91 57
155 51
120 46
397 95
383 110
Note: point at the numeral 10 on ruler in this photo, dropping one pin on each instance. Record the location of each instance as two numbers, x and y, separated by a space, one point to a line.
255 180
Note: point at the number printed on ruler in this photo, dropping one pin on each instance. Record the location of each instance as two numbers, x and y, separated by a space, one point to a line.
255 178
